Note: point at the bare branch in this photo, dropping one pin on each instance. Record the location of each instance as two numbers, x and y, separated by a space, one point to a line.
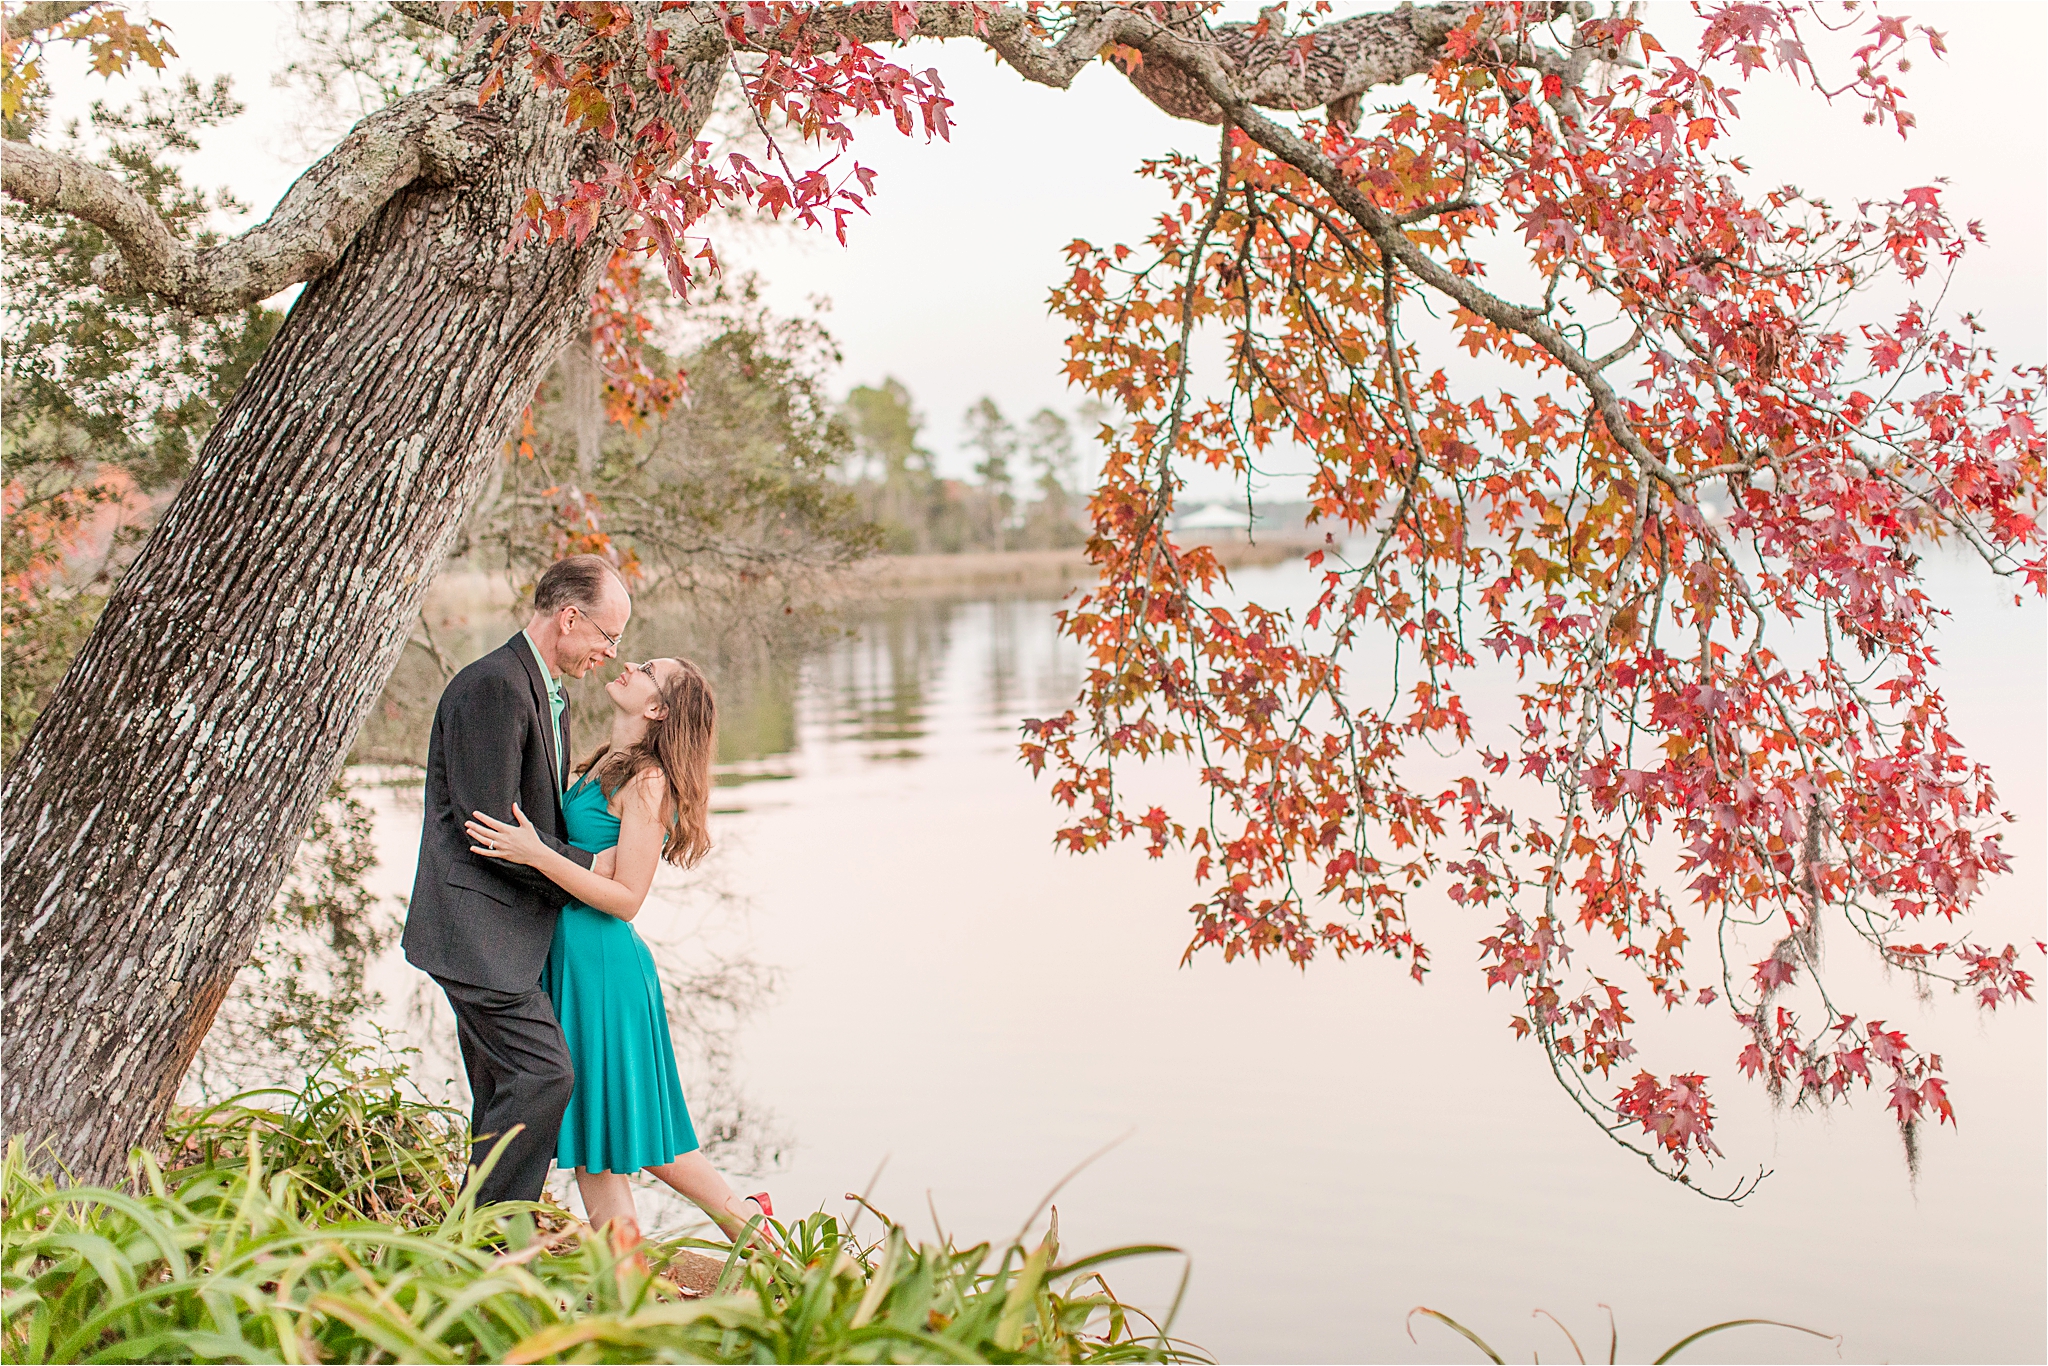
1014 34
432 134
425 641
1270 69
40 16
442 16
1619 352
56 182
1422 211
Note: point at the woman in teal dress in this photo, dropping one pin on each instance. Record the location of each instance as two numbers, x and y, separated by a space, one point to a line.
647 792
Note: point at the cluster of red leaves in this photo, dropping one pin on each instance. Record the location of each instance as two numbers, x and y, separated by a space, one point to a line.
1705 584
575 519
796 73
40 532
576 523
1678 1115
638 382
1755 37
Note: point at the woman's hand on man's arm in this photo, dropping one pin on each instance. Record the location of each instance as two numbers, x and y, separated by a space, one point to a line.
618 890
484 734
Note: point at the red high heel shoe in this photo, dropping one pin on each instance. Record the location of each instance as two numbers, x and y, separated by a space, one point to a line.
764 1236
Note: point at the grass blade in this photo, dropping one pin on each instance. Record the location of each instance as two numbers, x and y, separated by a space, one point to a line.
1675 1348
1455 1327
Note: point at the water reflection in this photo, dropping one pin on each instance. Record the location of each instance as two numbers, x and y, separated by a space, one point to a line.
864 674
984 1012
750 645
874 686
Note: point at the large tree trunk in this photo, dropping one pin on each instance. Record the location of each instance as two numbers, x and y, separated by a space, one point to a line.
152 813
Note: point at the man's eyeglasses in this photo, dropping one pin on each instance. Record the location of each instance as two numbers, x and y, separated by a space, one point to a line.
609 638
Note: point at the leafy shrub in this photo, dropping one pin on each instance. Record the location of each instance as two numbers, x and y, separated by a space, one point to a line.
325 1225
358 1141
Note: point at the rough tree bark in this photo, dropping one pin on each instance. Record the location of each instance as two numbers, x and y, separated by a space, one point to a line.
151 814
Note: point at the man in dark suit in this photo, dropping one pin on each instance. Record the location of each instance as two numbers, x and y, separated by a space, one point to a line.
481 928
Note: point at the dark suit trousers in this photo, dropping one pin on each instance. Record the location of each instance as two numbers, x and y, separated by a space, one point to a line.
519 1074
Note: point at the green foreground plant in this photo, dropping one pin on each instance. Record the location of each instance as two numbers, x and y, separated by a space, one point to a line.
326 1225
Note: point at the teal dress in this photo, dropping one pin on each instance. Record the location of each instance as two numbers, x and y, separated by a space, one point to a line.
627 1110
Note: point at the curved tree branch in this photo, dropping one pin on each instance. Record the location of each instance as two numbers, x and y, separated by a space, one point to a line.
1234 70
432 134
1330 65
40 16
442 16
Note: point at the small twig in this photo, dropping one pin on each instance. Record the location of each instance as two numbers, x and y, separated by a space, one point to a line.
446 665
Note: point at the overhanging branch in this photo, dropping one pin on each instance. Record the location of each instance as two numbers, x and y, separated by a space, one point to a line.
40 16
442 16
1189 69
432 134
1330 65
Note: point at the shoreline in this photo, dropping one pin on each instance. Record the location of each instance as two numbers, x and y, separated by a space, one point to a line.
1047 572
919 576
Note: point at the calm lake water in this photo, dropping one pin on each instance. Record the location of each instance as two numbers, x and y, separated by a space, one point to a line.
886 968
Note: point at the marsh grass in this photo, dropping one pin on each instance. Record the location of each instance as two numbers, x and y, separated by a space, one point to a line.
326 1225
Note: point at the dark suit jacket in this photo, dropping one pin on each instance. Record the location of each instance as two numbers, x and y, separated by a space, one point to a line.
473 919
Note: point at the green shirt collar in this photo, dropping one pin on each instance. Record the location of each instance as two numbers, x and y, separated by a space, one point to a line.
558 702
554 684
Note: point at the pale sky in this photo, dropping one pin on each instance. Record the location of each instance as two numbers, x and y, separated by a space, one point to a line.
945 285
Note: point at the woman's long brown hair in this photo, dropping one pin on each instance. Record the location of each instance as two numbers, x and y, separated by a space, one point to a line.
681 745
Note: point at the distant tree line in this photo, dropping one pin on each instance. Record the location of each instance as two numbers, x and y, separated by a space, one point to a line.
1025 493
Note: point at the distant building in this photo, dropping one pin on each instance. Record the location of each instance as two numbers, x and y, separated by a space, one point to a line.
1213 523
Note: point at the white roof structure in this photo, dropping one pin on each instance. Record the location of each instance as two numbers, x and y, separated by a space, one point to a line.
1213 517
